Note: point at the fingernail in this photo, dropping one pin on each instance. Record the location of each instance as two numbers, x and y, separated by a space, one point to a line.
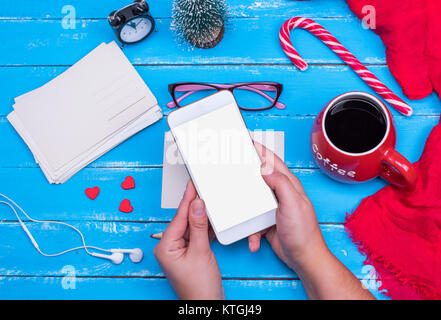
198 207
265 169
186 189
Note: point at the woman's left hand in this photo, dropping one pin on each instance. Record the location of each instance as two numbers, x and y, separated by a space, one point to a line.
184 252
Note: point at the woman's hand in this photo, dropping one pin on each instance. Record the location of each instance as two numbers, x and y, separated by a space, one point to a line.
184 252
297 232
297 240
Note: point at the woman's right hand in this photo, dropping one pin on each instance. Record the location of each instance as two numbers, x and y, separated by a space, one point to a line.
296 237
297 240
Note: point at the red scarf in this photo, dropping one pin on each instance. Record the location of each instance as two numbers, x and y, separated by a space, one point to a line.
411 32
400 231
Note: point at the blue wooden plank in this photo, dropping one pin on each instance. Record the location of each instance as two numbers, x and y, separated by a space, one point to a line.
150 289
154 289
146 148
251 38
53 9
326 81
19 257
69 202
247 40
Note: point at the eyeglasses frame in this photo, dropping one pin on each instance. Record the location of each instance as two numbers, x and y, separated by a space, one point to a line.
231 87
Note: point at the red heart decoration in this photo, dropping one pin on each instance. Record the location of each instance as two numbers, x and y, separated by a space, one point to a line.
92 193
129 183
125 206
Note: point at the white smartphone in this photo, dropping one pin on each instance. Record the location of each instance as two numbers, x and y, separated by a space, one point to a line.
224 166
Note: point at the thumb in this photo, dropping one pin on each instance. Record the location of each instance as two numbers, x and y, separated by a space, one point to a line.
198 221
285 192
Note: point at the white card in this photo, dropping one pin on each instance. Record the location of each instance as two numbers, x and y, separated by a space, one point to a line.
85 108
84 112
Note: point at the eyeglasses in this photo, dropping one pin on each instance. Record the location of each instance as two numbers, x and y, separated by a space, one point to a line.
252 96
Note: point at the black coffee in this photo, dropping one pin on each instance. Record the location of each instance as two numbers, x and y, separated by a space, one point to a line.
355 125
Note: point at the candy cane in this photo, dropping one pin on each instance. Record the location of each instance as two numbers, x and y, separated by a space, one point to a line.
343 53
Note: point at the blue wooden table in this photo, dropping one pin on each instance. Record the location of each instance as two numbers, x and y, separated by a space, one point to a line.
36 48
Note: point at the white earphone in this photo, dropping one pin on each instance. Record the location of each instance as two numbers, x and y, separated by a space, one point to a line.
116 255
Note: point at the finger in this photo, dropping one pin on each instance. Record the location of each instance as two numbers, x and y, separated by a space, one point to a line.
211 234
186 234
269 157
198 221
296 183
273 163
284 190
273 240
270 234
176 228
254 242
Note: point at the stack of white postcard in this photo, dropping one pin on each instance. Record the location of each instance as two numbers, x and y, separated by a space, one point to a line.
89 109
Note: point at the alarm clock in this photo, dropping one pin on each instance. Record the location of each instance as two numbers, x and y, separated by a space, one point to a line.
132 23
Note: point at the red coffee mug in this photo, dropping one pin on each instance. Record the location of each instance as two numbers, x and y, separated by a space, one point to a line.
339 154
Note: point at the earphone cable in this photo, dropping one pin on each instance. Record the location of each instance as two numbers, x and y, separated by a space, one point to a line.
11 205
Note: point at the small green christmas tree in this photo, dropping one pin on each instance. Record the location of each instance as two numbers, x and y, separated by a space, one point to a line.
200 22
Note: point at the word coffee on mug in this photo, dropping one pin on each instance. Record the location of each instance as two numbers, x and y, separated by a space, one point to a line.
353 140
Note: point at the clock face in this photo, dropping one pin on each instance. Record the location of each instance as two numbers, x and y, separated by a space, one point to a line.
136 29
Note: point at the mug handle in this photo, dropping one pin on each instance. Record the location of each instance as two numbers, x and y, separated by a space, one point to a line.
397 170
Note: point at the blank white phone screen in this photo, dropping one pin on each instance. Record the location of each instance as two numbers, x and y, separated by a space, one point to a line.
225 167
